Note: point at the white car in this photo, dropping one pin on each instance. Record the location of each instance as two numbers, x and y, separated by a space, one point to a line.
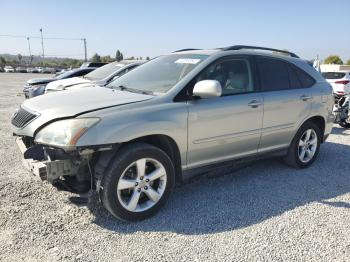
9 69
101 76
339 80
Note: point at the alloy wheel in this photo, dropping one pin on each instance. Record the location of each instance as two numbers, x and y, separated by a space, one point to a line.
142 185
307 145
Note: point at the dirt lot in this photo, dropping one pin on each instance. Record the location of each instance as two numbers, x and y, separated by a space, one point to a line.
262 212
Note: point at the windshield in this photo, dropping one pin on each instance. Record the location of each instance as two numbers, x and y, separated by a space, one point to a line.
104 71
159 75
64 75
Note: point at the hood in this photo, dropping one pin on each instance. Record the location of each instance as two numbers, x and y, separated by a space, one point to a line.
73 102
62 84
70 103
38 81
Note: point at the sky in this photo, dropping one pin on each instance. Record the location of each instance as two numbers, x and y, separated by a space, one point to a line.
151 28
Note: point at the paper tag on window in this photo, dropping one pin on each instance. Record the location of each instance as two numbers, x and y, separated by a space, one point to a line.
119 65
187 61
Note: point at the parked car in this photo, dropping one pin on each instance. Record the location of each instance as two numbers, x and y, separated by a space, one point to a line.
101 76
36 87
175 116
92 64
340 81
9 69
32 70
1 69
21 69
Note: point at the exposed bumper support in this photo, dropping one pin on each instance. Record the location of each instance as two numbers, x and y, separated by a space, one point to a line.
46 169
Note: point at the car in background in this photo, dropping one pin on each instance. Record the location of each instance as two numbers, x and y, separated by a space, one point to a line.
93 64
101 76
35 87
9 69
1 69
32 70
21 69
339 80
48 70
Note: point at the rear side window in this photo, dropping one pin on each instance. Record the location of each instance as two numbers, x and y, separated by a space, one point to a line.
273 74
333 75
279 75
305 79
295 83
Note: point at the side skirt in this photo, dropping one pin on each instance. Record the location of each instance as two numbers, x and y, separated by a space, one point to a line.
230 165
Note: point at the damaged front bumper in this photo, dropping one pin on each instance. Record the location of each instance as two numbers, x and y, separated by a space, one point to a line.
49 170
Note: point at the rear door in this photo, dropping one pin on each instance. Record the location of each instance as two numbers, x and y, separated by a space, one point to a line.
287 101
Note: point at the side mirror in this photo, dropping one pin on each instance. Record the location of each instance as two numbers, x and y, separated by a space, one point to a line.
207 89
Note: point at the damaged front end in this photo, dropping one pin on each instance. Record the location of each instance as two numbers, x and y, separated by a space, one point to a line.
68 171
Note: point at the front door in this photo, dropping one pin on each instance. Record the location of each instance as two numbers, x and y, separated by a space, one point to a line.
229 126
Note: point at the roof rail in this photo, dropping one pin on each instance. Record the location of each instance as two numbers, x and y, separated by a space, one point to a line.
186 49
239 47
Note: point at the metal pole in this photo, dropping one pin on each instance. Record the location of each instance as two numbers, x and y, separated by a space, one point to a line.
85 51
30 52
42 41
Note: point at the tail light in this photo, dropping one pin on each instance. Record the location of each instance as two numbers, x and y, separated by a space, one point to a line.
343 82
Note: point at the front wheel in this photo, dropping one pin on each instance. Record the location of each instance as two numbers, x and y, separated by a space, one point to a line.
138 182
305 146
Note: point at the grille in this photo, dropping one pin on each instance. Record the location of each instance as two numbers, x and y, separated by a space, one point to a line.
22 117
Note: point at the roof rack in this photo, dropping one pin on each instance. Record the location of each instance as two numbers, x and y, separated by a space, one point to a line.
239 47
186 49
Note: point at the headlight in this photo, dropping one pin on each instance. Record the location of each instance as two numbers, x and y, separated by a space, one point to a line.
65 133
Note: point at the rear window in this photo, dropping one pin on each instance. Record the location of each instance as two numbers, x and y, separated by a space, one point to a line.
333 75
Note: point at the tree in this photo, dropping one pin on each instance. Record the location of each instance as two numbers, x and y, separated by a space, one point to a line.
95 58
119 56
333 59
2 60
348 62
147 58
19 56
107 59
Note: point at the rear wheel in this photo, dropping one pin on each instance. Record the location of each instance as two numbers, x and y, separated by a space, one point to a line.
305 146
138 182
345 124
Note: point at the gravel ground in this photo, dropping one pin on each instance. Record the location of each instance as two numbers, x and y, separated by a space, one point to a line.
264 211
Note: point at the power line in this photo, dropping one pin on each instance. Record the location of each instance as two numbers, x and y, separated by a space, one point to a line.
46 38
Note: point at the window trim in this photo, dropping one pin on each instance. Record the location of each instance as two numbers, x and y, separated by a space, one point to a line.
183 94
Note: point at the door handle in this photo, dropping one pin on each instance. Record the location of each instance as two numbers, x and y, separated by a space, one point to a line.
254 103
305 97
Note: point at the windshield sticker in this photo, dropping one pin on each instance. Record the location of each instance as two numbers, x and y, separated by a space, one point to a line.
120 65
187 61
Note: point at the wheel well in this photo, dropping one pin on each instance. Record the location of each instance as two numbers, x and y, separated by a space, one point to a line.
168 145
320 122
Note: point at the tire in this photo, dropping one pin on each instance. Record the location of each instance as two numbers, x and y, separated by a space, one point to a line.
294 155
116 195
344 124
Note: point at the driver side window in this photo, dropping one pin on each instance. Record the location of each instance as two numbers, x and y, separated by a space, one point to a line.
234 75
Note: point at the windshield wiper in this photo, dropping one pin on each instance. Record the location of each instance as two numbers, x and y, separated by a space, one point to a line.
132 90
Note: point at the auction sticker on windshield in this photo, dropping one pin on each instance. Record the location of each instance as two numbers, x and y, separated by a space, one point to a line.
187 61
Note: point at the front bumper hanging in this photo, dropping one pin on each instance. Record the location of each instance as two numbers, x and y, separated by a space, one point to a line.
46 169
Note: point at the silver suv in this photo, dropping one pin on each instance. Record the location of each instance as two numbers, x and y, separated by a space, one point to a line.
175 116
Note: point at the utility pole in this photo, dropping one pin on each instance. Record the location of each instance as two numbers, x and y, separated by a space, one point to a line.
42 41
30 52
85 51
